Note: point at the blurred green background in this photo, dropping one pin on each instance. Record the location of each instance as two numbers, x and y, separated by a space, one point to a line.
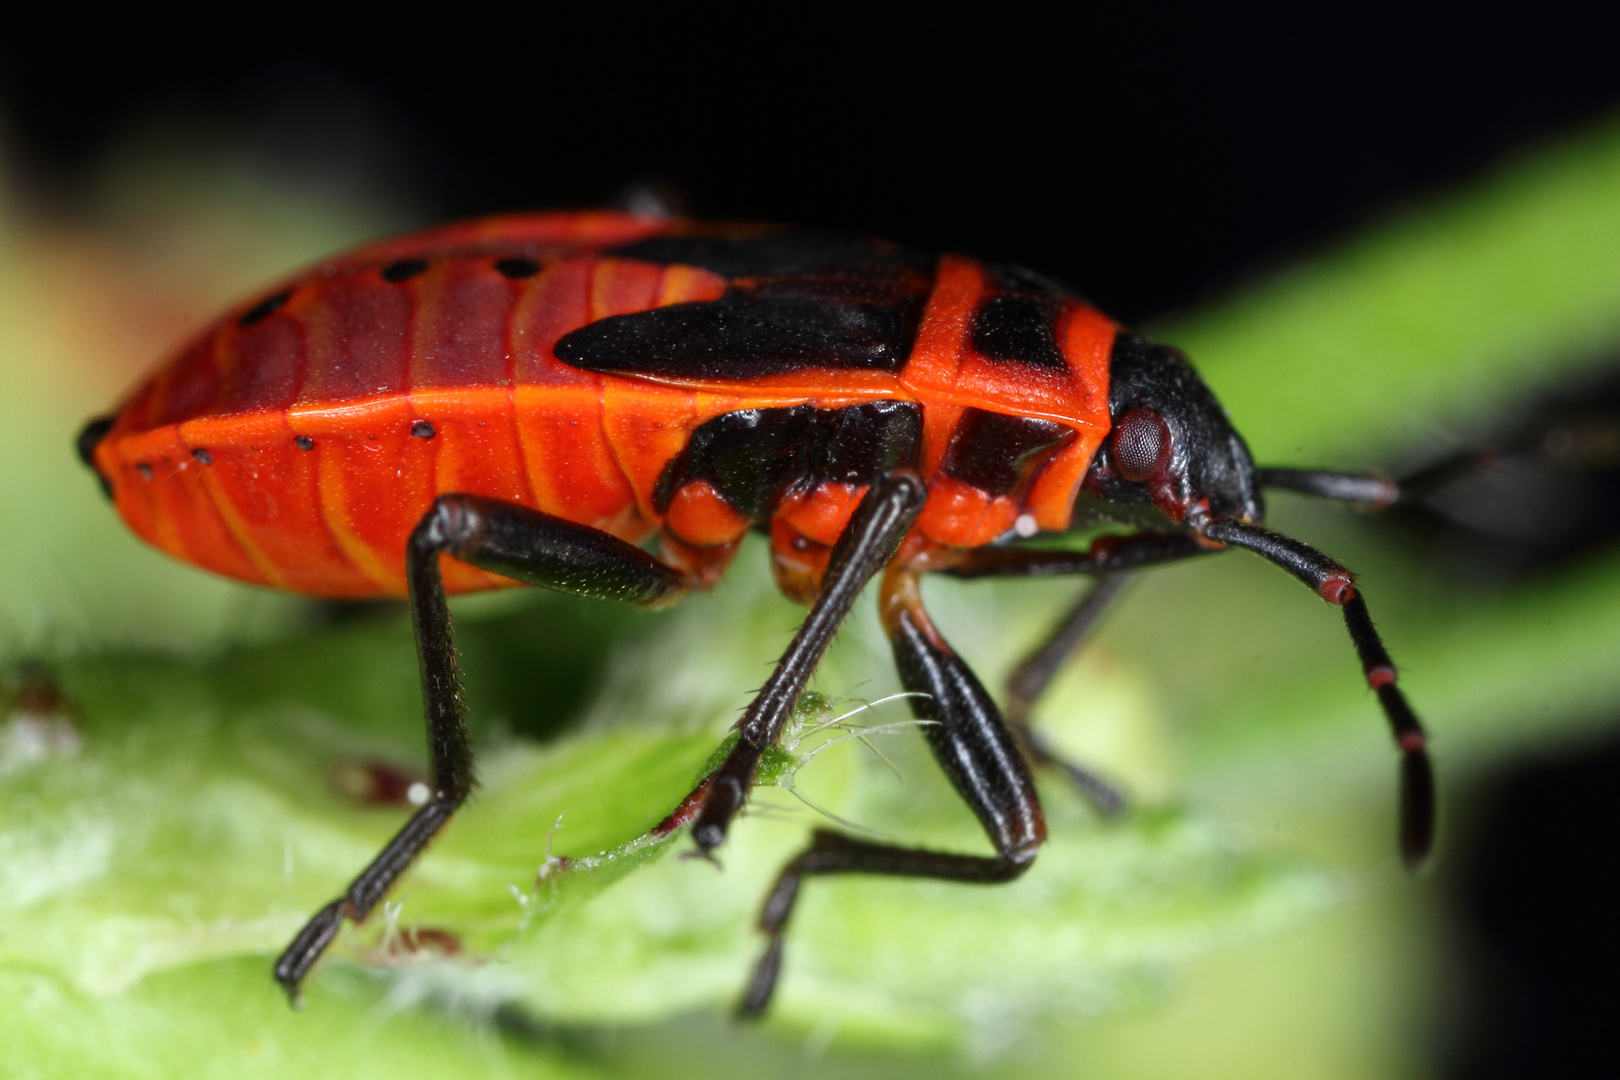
172 820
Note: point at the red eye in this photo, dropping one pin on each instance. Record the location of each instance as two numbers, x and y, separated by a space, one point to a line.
1141 444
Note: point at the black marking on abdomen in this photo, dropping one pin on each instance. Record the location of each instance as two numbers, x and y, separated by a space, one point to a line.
402 270
742 336
755 458
997 453
264 309
88 440
517 269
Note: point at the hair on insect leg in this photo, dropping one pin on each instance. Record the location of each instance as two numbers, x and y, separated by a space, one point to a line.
837 819
505 538
862 733
861 706
787 780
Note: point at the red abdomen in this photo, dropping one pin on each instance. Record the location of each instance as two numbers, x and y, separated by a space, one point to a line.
565 361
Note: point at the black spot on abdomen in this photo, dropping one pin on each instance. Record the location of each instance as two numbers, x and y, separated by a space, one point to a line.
264 309
403 270
517 269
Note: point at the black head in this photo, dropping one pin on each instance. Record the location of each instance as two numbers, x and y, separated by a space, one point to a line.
1172 453
1172 456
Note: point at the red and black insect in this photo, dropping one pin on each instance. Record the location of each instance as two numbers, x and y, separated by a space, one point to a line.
533 396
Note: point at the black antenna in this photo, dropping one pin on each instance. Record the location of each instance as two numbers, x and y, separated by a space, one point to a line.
1371 490
1337 586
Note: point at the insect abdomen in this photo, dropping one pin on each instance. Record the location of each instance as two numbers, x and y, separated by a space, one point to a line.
279 448
298 441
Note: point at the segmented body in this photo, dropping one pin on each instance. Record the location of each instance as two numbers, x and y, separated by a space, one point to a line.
625 373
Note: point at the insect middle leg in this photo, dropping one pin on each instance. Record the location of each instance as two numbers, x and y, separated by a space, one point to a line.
503 538
979 755
1110 560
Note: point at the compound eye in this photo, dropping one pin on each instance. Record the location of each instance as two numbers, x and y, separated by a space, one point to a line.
1141 445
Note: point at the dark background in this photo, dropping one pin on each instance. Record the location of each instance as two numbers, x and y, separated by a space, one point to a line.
1146 156
1143 155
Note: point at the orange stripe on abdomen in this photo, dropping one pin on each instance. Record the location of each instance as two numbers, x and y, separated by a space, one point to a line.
265 488
375 481
125 462
179 489
568 460
646 425
477 452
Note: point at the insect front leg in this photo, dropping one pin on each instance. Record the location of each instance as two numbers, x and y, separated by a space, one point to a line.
875 530
503 538
972 744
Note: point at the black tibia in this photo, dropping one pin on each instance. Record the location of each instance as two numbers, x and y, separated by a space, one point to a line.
1371 490
1106 555
1336 585
869 541
978 754
506 539
542 550
1031 678
968 736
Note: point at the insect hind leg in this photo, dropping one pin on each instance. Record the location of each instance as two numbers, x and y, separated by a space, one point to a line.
503 538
